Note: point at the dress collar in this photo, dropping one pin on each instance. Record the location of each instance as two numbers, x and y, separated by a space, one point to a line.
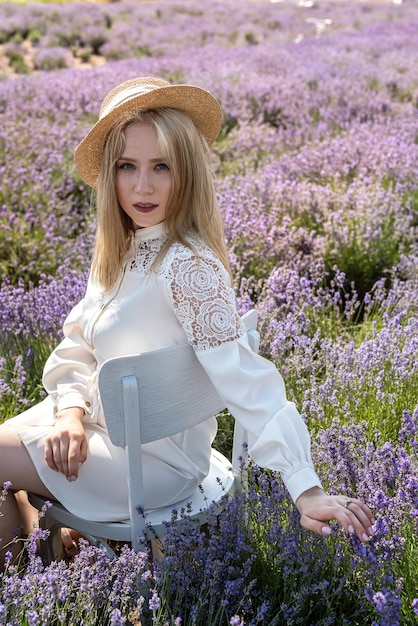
151 232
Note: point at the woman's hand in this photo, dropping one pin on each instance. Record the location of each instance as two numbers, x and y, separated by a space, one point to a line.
66 445
316 507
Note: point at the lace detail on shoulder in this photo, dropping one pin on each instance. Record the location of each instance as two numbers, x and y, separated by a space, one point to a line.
145 254
202 300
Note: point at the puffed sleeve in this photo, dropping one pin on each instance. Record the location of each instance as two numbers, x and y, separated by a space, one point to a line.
250 385
254 392
69 371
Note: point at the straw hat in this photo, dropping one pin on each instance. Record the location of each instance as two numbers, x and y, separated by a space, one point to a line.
140 94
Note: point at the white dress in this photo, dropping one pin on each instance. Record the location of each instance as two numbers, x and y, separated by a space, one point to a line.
187 299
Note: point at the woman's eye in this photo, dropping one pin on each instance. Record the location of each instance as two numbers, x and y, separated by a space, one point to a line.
125 166
162 166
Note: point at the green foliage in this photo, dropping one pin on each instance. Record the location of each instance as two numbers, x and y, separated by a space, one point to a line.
17 61
21 375
363 259
407 571
35 35
84 54
251 38
224 436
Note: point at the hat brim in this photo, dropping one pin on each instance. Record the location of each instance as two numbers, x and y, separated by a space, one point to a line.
199 104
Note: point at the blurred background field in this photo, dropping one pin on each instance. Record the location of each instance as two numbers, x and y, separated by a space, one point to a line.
317 169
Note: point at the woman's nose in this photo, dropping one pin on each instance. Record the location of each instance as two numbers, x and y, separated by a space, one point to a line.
143 184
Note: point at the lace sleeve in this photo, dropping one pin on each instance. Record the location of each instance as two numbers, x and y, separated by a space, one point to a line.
202 299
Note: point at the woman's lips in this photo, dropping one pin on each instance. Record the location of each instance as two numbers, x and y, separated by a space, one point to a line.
145 207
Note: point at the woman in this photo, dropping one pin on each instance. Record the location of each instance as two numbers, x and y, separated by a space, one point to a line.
159 277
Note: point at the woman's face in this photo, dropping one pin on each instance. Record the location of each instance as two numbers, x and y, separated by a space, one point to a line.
143 178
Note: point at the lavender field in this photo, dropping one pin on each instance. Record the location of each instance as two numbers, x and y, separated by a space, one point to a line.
317 170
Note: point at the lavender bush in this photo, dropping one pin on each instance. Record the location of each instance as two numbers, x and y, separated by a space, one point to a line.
316 169
31 320
53 58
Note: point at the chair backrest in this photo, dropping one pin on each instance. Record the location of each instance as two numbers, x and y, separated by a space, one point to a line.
174 392
169 392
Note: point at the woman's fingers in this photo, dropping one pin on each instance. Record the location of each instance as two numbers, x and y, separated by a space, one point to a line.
51 454
351 524
66 447
56 454
358 517
76 455
318 508
65 455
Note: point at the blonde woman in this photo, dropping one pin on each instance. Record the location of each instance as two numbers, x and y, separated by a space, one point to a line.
159 277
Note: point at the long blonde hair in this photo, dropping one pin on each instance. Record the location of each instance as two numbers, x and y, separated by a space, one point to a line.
192 208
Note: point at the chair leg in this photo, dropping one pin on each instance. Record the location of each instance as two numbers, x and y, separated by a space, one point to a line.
51 548
46 545
157 549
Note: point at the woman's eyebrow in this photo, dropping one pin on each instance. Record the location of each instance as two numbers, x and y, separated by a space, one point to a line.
124 157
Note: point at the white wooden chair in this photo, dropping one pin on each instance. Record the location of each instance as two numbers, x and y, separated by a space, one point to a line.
168 391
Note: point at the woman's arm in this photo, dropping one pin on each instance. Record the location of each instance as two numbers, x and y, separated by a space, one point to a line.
70 369
253 390
68 377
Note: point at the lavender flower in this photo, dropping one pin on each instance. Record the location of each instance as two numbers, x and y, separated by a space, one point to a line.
3 495
154 602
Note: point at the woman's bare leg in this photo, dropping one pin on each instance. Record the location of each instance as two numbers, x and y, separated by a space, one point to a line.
16 466
28 514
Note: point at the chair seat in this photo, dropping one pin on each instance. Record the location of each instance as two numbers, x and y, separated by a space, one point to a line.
219 482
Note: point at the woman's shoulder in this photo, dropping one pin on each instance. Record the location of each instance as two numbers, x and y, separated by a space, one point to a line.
193 261
194 252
